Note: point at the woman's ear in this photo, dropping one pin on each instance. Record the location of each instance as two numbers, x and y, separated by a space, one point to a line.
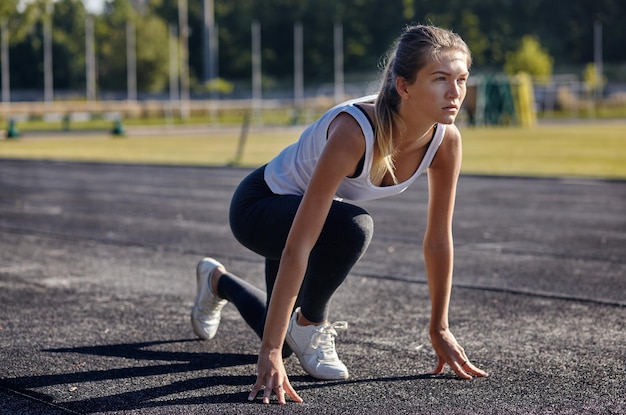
402 87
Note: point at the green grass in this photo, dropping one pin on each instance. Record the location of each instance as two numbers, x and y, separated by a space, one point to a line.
215 148
585 150
579 150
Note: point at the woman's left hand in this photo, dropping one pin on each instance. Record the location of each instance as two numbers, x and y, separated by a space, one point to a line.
451 353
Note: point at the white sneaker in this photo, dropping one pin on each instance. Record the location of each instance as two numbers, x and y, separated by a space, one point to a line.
207 310
315 348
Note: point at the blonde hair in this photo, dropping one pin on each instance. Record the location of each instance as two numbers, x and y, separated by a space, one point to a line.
413 50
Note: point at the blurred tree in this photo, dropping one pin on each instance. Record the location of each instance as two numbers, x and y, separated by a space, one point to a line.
68 34
26 51
152 56
8 7
491 27
110 33
152 52
592 79
529 58
469 29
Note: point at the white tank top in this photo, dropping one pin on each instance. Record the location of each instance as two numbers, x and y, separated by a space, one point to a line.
290 171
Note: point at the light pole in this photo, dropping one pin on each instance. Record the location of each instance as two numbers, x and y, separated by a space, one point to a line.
184 58
256 69
210 41
597 54
6 84
131 60
298 66
90 59
47 53
338 43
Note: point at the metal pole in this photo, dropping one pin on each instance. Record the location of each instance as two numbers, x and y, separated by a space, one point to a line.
90 58
256 68
210 41
173 47
298 65
47 54
597 52
6 84
184 58
131 60
215 46
214 92
338 43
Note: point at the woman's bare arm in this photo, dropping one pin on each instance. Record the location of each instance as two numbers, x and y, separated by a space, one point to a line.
345 147
439 253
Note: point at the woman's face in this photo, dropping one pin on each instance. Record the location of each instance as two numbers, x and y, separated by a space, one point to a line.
439 89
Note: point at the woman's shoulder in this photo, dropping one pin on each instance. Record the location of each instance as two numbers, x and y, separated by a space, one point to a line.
346 127
369 108
451 137
354 121
451 132
449 152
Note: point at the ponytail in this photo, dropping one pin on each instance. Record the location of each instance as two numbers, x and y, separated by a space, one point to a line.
386 113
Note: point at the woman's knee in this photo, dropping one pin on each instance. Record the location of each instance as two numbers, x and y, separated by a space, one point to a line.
349 226
362 228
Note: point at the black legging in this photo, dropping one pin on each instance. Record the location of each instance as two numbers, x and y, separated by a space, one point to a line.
261 220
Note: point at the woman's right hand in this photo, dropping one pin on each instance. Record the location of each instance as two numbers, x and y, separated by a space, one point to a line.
272 376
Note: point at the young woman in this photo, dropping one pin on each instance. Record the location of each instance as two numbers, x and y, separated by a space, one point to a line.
291 211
